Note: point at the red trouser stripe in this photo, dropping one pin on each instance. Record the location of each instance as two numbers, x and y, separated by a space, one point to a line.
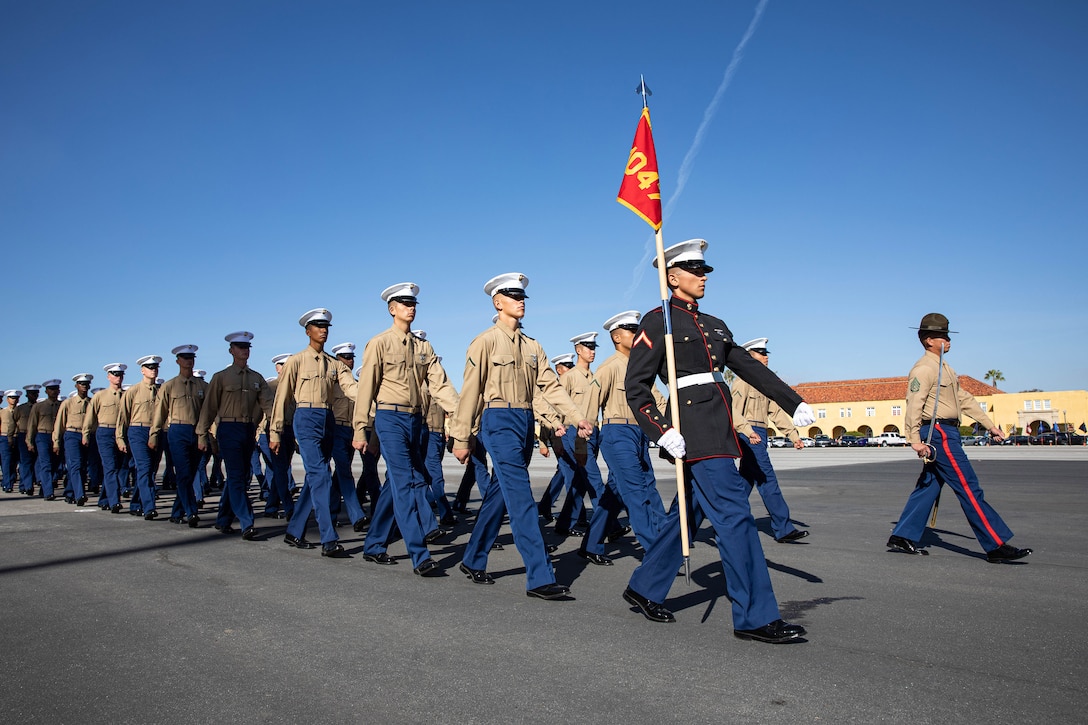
966 488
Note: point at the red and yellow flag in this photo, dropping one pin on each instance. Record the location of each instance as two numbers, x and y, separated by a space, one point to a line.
641 190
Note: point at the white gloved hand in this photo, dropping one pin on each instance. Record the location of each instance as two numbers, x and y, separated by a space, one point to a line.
673 442
803 415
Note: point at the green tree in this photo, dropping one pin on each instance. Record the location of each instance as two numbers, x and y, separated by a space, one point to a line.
995 376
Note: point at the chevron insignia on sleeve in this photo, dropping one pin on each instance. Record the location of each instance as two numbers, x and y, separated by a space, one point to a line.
643 338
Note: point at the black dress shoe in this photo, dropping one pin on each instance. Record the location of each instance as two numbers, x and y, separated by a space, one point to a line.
898 543
795 535
776 632
334 552
200 503
428 567
361 524
448 520
135 512
271 514
651 610
175 519
51 497
297 542
116 508
193 521
570 532
551 548
598 559
545 514
227 530
81 501
435 535
548 591
1005 552
619 533
151 515
478 576
382 558
69 499
496 546
249 533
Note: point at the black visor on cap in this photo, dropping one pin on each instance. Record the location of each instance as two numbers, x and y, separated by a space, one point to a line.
405 300
631 327
514 293
694 266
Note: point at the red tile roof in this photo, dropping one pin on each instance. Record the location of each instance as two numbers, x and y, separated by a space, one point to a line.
848 391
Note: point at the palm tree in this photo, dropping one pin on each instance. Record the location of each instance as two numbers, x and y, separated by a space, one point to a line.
994 375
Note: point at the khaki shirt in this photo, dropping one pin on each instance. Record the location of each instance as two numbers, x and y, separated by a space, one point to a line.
611 375
103 411
137 408
235 395
396 367
180 400
70 418
922 391
288 410
42 417
8 424
504 365
584 389
22 416
308 380
343 405
751 407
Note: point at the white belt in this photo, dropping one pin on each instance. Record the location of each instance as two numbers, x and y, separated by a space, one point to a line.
699 379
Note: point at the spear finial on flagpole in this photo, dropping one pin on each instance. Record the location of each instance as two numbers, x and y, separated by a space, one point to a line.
643 90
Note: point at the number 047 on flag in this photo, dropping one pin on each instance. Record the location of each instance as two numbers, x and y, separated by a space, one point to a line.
641 190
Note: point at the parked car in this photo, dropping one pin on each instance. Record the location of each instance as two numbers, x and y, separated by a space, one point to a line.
1017 440
808 442
821 441
778 442
1043 439
969 440
847 441
888 439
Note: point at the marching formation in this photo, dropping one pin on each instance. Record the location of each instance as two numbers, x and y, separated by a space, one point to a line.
399 403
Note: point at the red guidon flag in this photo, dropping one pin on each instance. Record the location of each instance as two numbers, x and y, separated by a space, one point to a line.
641 190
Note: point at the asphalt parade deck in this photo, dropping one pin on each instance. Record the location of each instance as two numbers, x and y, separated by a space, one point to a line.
112 619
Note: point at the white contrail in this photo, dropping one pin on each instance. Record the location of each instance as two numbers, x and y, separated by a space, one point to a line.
696 144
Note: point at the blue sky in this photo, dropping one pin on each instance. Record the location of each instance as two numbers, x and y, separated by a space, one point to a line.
171 172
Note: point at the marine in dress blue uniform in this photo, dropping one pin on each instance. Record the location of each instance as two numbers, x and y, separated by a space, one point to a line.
704 347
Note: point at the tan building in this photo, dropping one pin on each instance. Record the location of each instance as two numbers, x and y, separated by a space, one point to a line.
877 405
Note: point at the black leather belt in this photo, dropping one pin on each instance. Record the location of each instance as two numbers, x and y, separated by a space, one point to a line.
942 421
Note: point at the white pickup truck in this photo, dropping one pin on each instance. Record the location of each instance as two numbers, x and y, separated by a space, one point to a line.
888 439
